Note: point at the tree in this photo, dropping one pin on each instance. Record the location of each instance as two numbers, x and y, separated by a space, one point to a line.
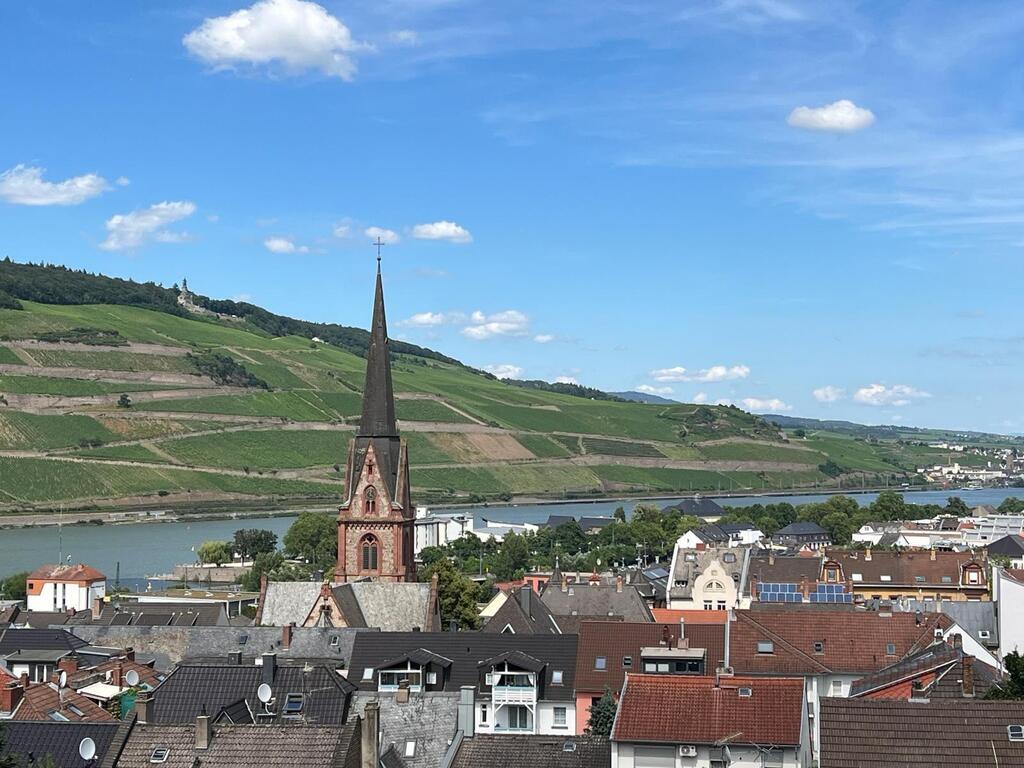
889 506
602 715
456 593
839 527
1012 506
216 552
124 402
250 542
620 514
14 587
313 537
800 432
513 557
957 507
1011 686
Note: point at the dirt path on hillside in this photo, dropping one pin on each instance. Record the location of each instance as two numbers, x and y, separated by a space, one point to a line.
69 346
751 441
95 374
82 403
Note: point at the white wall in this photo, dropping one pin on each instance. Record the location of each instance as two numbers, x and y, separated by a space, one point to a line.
61 596
624 756
1009 595
546 718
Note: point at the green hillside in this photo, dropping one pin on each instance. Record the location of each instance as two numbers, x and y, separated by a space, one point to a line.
177 436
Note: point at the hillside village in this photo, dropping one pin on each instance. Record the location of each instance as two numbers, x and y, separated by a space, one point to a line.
741 648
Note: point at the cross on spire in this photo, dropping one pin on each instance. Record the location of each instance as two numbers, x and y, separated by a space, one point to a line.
380 244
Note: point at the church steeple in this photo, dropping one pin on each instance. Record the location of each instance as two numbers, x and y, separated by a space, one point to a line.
378 418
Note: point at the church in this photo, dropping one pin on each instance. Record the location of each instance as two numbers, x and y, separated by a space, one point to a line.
376 521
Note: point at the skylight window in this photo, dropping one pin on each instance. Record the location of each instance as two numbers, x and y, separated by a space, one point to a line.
53 714
627 662
601 662
819 647
293 704
890 649
410 749
159 755
919 579
367 673
746 692
885 577
556 677
947 579
766 646
857 576
1015 732
76 710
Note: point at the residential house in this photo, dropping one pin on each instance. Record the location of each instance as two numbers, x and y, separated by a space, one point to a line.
36 743
416 731
867 733
877 534
709 579
64 587
487 751
573 602
132 613
978 619
609 650
35 652
941 671
698 506
803 534
308 691
1010 547
523 613
720 535
775 578
1008 593
589 525
928 575
389 606
991 528
667 721
651 583
21 699
519 683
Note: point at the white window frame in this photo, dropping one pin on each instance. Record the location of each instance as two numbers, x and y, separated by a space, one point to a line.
560 717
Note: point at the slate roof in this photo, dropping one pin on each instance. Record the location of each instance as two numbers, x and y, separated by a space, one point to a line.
192 688
973 616
597 600
429 719
74 572
616 640
512 613
699 507
12 640
240 746
679 709
388 606
130 613
466 650
863 733
688 564
801 528
1011 546
33 742
939 659
853 642
488 751
587 524
287 602
39 619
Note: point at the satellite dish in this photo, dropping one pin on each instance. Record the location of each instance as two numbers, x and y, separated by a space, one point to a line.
62 679
132 678
87 748
264 694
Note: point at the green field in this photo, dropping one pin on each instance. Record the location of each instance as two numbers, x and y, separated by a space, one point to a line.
47 385
542 446
760 452
428 410
131 452
28 430
278 449
7 355
112 361
619 448
296 405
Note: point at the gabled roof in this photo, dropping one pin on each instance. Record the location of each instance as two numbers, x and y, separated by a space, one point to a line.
513 614
587 524
73 572
427 719
688 564
905 568
1012 546
973 616
43 701
614 641
802 528
466 650
287 602
862 733
595 600
388 606
12 640
925 666
418 656
193 688
678 709
242 746
516 659
131 613
766 569
488 751
699 507
33 742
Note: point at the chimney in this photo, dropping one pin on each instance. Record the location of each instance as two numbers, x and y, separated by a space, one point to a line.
117 675
805 590
771 556
129 653
525 593
10 697
665 636
142 707
97 607
370 736
269 668
618 584
402 695
917 618
958 640
286 636
453 625
467 711
682 628
204 732
932 554
967 681
867 554
565 585
725 647
69 663
24 680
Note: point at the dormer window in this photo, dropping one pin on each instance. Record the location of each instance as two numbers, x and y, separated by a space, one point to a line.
832 574
973 576
389 679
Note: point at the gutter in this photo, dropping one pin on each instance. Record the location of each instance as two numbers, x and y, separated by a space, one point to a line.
453 750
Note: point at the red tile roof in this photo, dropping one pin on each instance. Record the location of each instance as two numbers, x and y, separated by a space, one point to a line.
690 616
616 639
76 572
904 568
852 641
40 699
679 709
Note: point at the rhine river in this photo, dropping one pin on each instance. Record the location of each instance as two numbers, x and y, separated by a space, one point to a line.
146 549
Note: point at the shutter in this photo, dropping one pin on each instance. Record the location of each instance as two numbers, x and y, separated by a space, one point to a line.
654 757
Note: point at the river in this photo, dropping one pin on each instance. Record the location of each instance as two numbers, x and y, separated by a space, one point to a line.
145 549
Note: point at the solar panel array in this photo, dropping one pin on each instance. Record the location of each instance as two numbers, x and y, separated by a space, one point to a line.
790 593
831 593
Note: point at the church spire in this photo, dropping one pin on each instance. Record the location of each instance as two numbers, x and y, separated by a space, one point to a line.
378 393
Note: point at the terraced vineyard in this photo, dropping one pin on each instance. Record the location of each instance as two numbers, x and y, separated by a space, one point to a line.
68 437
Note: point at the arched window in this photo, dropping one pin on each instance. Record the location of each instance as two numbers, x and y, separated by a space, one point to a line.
369 548
371 500
714 586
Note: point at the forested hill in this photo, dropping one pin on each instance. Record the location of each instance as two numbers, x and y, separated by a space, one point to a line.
53 284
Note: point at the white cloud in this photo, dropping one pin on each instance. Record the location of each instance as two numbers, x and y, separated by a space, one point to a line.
433 319
841 116
765 404
296 34
543 338
24 185
700 397
880 395
566 380
828 394
404 37
712 374
342 231
649 390
442 230
127 231
387 236
511 322
504 370
283 245
122 181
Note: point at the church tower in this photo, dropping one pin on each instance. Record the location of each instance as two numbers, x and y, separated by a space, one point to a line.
376 522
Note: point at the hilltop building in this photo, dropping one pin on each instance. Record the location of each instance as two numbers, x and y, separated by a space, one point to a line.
376 522
64 587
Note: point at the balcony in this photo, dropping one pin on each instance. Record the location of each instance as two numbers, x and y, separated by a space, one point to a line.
513 694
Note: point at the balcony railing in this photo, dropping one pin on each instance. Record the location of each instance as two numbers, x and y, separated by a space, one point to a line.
513 694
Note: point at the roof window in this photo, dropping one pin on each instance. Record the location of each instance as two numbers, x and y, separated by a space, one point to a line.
819 646
947 579
410 748
569 746
601 662
890 649
885 577
766 646
919 579
293 704
627 662
1015 732
159 755
367 673
857 576
746 692
556 677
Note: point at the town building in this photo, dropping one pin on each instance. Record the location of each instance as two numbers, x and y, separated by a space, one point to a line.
486 751
698 506
719 535
712 579
803 534
1010 547
523 613
64 587
572 602
376 521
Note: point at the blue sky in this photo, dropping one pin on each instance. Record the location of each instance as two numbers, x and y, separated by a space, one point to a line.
815 208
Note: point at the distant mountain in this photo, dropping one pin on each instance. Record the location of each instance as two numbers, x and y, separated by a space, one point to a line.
642 397
884 431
